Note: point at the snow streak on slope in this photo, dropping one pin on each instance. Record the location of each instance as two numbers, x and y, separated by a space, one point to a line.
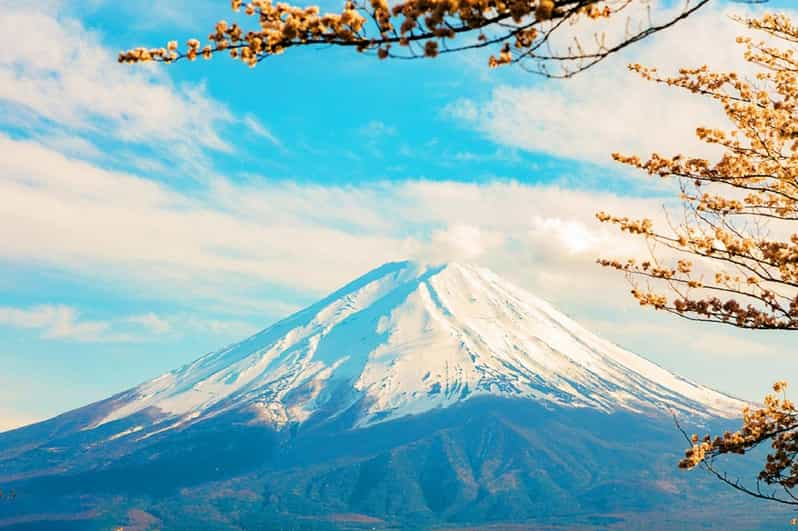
406 338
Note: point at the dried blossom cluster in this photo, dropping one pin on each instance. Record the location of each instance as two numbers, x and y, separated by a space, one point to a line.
737 232
732 257
777 422
518 29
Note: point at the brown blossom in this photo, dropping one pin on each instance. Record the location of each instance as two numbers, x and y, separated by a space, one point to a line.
733 257
418 28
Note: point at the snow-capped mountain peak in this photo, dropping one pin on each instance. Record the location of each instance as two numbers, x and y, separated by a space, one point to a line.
404 339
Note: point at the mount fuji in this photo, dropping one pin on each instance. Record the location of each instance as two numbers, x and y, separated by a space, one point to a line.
415 396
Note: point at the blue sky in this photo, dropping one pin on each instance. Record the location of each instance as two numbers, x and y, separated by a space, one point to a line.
151 214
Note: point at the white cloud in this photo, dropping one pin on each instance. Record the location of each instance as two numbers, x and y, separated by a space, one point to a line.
151 322
60 71
182 324
54 321
376 130
260 130
231 329
233 240
607 108
68 213
464 241
226 243
230 243
60 322
58 80
63 322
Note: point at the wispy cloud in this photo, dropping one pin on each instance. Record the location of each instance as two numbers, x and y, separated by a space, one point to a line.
308 238
225 243
151 321
60 71
59 81
260 248
61 322
608 108
376 130
231 329
260 130
373 136
55 322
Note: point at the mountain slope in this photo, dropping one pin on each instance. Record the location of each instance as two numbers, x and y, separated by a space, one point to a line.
414 396
405 339
485 461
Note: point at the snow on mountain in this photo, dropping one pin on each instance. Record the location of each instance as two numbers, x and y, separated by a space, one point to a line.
407 338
